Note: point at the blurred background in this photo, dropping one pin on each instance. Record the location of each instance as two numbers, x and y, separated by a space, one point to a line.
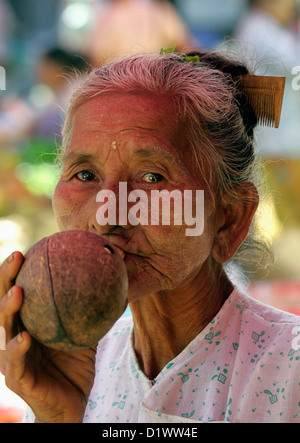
46 45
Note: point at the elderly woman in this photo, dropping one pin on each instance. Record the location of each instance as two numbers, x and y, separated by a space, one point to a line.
195 349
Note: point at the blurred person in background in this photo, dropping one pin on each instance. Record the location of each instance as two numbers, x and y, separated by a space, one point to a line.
269 33
30 127
126 26
41 112
55 70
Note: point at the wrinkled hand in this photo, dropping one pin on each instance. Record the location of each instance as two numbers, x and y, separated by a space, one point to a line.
55 384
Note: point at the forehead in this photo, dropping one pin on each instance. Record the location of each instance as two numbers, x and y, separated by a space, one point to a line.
146 115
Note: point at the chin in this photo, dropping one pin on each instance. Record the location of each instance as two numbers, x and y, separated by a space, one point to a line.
140 287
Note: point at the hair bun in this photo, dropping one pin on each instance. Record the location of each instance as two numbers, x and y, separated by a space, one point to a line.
234 72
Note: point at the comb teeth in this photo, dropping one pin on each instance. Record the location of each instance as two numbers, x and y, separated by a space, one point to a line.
265 96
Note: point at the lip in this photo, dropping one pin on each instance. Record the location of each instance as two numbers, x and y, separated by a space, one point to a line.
121 245
120 251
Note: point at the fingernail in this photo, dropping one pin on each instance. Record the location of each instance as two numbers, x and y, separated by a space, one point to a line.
10 293
20 338
2 339
10 258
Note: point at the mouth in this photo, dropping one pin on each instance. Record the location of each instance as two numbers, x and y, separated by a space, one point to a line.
121 252
120 244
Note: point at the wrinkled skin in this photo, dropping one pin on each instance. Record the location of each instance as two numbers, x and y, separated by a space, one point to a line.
176 283
153 263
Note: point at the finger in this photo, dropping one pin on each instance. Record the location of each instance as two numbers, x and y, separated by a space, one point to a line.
10 304
9 270
15 367
2 339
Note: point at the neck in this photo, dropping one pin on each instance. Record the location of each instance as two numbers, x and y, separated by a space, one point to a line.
166 322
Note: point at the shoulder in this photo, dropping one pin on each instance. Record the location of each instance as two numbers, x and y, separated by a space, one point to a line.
264 312
274 328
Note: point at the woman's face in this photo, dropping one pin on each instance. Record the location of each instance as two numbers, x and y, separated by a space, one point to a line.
135 139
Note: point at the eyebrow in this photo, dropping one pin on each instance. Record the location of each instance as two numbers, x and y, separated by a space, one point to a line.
71 158
158 153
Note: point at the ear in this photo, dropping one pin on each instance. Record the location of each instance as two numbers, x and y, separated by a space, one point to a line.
235 222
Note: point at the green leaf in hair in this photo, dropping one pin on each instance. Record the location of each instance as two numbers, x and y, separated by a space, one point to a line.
194 59
189 58
168 50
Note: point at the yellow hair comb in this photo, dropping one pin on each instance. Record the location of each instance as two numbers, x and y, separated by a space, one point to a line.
265 95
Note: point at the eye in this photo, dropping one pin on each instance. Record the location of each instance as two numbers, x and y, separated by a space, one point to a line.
151 177
85 176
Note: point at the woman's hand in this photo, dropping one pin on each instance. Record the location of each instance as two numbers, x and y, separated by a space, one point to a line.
55 384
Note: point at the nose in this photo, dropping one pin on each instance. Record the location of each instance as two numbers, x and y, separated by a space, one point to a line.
111 209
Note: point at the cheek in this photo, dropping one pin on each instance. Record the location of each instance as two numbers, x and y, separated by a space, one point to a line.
176 253
192 235
175 260
67 206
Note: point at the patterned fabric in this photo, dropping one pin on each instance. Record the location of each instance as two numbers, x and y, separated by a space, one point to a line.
243 367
